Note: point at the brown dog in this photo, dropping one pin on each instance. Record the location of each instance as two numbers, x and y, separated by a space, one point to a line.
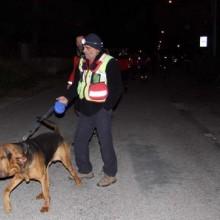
30 159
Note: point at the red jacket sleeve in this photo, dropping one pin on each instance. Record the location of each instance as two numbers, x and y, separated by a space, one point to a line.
75 66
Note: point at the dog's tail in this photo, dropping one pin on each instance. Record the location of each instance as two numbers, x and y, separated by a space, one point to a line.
51 125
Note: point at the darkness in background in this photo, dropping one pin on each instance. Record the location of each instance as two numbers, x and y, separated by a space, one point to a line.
53 24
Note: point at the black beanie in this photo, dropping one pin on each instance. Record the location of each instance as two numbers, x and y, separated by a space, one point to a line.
93 40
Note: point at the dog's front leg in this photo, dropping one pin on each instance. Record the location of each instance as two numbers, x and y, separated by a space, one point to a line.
6 196
45 191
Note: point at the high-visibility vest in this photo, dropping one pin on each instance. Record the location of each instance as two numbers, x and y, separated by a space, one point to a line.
93 83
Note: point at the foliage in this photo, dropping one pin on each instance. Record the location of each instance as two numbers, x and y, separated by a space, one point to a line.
14 74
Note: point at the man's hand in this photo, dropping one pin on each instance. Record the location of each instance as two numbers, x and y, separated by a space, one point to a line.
62 99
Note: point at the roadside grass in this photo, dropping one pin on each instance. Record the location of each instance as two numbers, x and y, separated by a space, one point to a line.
14 74
19 77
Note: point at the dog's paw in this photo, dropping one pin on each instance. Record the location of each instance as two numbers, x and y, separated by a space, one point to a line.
78 181
7 208
40 196
44 209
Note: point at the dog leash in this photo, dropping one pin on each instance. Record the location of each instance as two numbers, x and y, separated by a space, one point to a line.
38 123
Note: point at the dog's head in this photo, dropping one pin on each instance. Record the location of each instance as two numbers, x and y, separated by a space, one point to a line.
12 160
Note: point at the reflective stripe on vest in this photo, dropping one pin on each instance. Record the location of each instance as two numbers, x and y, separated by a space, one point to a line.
94 78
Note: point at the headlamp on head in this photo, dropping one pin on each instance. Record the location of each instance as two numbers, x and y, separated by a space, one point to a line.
83 41
92 40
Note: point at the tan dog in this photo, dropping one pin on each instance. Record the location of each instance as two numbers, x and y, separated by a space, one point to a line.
30 159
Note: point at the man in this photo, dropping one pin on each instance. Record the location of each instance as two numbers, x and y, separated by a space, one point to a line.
98 87
76 58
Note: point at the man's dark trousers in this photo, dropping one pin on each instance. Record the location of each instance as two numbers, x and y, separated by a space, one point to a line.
84 131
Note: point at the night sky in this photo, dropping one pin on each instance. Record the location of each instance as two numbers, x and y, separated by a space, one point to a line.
55 23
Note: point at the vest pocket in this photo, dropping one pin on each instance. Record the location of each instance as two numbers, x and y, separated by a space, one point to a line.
95 78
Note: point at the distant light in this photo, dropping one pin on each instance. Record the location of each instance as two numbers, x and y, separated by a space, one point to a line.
203 41
162 32
175 60
170 1
178 45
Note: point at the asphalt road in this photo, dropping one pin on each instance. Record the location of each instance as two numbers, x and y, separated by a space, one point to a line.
168 157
